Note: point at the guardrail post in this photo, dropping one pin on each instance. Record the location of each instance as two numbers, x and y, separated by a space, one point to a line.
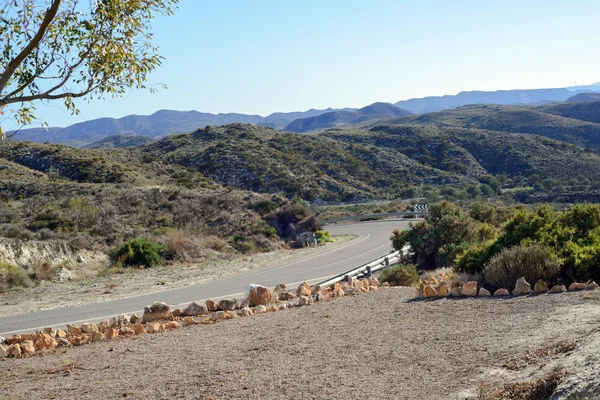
369 273
387 262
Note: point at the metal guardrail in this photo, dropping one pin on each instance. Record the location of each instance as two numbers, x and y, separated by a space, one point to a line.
376 216
376 265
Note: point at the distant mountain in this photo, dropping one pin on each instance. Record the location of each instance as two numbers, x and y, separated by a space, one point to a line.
439 103
157 125
334 119
583 97
120 141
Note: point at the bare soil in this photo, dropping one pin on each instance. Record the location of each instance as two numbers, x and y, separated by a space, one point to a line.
379 345
50 295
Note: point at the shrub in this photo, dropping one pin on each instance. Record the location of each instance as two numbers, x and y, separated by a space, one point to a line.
323 237
12 276
241 243
403 275
44 271
140 251
533 263
214 243
264 207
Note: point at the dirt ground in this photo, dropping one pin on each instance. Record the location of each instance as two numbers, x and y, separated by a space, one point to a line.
50 295
379 345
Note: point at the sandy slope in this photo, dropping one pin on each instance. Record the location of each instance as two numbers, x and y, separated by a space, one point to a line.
380 345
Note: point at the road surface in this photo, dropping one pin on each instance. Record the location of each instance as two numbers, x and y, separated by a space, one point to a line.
373 242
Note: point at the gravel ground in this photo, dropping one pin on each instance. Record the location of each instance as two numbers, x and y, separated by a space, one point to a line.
380 345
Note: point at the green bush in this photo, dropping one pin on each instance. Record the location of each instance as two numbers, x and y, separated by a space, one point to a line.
265 207
533 262
323 237
140 251
403 275
241 243
12 276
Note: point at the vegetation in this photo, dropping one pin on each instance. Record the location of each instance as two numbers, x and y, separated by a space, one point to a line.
12 276
140 252
56 50
508 243
402 275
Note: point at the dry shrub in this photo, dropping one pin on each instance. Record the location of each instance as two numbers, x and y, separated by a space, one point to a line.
181 247
541 389
215 243
533 262
44 271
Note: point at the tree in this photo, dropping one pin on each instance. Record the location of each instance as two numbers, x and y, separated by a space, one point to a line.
71 49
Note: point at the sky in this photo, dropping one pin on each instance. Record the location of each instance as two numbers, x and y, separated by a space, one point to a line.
263 56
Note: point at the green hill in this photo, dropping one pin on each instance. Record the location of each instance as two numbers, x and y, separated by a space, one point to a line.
585 111
514 119
120 141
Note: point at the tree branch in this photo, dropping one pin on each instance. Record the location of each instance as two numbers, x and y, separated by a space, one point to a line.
14 64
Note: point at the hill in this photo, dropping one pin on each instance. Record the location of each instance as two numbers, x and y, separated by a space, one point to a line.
585 111
357 164
120 141
515 119
507 97
374 111
157 125
583 97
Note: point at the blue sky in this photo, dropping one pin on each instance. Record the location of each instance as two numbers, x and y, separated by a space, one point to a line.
262 56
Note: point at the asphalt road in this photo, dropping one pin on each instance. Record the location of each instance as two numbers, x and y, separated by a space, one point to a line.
373 242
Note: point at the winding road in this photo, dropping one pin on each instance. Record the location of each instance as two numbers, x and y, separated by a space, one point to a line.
373 242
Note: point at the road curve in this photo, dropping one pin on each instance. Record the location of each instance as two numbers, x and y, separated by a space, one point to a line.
373 242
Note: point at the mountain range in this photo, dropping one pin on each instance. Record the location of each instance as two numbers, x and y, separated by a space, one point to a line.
167 122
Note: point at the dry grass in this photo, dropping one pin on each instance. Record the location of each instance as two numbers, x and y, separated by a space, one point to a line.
540 389
530 357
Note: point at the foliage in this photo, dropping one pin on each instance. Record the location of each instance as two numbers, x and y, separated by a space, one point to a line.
140 252
323 237
291 220
68 49
403 275
533 262
12 276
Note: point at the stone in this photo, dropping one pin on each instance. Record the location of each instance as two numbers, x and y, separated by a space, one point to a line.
227 305
386 284
134 319
340 293
27 348
45 341
126 331
60 333
14 350
2 340
103 326
558 289
195 308
244 304
73 330
139 329
119 321
429 292
442 290
217 316
282 293
540 287
89 328
111 333
14 339
51 331
4 352
575 286
187 321
373 281
373 288
355 283
231 314
317 297
178 312
303 290
501 292
77 341
245 312
157 311
210 306
174 325
484 292
351 292
470 289
592 286
365 284
260 295
315 289
304 301
63 342
153 327
98 337
522 287
260 309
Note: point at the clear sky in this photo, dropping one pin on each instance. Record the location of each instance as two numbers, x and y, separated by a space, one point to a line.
262 56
